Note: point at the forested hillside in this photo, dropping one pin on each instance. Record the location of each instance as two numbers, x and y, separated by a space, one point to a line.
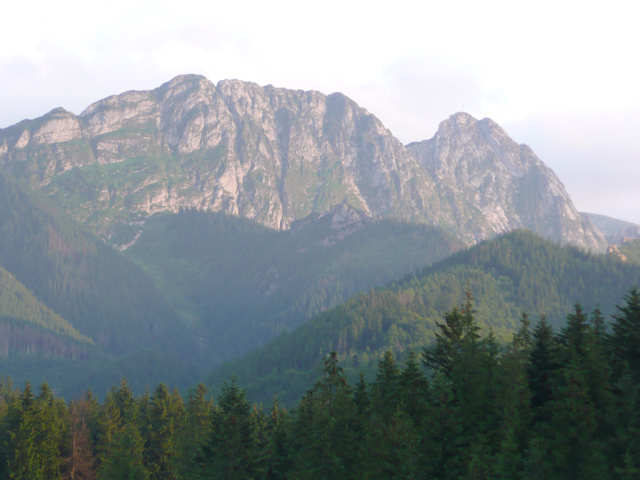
18 306
76 312
516 273
238 283
545 405
211 287
102 294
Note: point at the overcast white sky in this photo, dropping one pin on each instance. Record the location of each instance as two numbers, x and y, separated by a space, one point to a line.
561 76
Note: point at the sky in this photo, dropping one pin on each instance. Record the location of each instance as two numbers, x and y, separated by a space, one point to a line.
562 77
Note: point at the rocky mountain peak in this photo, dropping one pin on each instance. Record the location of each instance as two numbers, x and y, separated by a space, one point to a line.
488 175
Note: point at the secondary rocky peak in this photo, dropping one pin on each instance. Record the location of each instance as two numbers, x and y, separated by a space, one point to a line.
487 175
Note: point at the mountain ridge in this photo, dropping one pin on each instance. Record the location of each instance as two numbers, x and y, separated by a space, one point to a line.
276 156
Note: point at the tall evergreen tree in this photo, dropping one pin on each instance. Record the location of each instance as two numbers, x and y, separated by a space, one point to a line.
229 453
124 458
81 463
385 393
541 371
166 417
38 439
624 340
458 327
328 412
191 438
414 390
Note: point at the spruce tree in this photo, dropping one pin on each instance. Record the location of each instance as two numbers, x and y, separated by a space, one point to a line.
541 370
165 420
229 452
38 439
191 438
624 341
124 458
413 390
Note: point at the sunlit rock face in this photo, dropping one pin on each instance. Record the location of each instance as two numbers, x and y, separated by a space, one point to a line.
276 156
495 185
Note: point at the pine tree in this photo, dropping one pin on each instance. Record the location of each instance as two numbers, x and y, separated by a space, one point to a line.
329 448
229 452
38 439
574 337
541 371
165 420
516 400
385 394
12 403
391 448
81 463
361 397
191 438
576 451
458 327
124 458
413 388
442 447
624 443
624 341
279 462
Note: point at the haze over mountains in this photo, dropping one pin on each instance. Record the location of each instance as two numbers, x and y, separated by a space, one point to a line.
239 212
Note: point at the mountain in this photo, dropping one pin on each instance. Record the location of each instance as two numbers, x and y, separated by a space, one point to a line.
238 284
615 231
241 212
515 273
276 156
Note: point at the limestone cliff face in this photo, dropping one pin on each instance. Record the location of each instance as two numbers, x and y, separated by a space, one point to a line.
495 185
276 156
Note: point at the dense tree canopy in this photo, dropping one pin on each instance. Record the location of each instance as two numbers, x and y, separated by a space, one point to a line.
558 406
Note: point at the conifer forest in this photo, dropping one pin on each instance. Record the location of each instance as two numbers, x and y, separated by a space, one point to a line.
547 405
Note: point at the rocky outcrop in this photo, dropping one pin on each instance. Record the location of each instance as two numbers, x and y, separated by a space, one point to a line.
494 185
277 156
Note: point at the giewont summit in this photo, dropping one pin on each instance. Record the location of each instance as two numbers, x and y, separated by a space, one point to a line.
276 156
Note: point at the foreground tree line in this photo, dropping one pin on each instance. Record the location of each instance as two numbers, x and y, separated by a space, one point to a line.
550 406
